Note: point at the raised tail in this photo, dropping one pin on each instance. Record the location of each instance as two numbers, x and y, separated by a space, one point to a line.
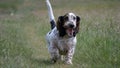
51 15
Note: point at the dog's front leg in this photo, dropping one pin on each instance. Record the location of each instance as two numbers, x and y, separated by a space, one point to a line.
68 57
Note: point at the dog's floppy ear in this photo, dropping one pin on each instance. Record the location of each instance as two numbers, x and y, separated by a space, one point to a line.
77 25
78 18
61 18
60 27
59 22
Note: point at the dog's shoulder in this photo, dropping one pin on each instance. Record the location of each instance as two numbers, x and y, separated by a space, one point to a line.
52 34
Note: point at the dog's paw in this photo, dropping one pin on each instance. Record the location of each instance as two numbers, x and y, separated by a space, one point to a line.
53 61
68 62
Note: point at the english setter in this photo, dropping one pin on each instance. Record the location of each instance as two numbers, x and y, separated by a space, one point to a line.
62 38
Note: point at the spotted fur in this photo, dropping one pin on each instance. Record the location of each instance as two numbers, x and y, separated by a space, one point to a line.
62 38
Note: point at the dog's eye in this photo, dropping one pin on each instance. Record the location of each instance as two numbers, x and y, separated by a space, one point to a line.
66 18
74 18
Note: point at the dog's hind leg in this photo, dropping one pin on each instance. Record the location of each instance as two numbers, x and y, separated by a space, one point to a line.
53 52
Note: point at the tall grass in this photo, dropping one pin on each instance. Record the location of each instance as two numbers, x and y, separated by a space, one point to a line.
22 35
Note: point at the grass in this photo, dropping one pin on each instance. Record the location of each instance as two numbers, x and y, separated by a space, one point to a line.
22 33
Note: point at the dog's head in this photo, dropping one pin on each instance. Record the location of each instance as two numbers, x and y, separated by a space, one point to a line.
68 24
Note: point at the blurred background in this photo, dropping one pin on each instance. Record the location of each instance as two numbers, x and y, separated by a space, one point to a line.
24 23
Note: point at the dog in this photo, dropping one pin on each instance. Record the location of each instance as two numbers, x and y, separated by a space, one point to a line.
61 38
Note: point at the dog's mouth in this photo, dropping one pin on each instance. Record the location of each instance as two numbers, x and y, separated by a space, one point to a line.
70 31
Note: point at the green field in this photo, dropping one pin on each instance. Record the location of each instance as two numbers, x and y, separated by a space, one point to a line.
24 24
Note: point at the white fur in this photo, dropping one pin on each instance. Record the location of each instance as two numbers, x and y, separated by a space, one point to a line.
56 44
70 19
50 11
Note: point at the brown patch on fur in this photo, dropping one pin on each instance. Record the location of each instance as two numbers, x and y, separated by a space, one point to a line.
77 25
60 27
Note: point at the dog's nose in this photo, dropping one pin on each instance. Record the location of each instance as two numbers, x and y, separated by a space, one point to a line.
71 25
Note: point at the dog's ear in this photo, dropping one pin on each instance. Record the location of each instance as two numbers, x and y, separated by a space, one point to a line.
78 18
60 27
77 25
59 22
61 18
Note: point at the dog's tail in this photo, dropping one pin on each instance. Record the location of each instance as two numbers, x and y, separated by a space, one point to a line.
51 15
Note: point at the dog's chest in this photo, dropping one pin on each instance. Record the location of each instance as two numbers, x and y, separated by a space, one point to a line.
64 45
65 42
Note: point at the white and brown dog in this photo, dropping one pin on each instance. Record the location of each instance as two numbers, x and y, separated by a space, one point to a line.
62 38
